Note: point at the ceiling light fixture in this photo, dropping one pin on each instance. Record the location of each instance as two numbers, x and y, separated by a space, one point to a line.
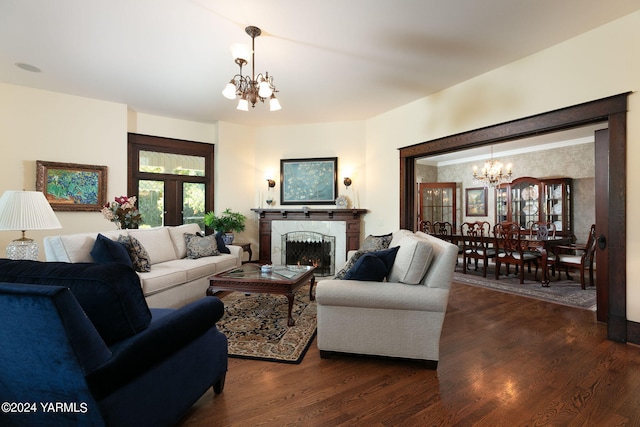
492 173
253 88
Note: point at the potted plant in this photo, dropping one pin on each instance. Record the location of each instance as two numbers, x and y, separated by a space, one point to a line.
227 222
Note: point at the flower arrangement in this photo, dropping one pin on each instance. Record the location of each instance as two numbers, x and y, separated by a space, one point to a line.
123 212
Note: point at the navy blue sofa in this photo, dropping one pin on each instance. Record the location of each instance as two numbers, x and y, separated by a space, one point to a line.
80 347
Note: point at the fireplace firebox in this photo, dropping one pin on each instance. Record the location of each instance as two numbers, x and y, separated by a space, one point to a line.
310 248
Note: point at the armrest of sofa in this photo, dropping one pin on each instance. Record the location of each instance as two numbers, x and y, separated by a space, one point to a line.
54 249
41 320
167 334
236 251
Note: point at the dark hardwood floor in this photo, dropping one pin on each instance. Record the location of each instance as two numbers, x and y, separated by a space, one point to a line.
505 360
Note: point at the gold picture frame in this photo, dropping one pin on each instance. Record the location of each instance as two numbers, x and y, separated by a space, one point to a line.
72 186
476 201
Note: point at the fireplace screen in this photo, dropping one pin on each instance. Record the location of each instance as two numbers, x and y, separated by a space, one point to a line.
310 248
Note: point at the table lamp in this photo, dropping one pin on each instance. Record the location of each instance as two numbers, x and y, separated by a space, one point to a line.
22 211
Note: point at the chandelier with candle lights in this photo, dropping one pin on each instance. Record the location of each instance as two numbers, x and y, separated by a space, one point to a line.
253 88
493 173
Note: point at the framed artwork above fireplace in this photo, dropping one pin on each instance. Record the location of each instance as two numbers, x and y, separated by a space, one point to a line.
308 181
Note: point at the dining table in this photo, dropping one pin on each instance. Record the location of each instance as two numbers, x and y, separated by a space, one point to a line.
542 245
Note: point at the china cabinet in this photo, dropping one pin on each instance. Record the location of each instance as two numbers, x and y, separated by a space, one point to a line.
530 199
559 205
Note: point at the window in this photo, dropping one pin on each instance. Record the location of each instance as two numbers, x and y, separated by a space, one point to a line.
173 179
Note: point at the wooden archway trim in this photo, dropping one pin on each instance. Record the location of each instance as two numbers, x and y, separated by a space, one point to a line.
612 111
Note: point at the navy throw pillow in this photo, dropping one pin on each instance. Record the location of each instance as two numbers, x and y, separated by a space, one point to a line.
388 256
373 266
222 248
106 250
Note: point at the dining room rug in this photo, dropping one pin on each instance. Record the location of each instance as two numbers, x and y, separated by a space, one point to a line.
565 292
256 326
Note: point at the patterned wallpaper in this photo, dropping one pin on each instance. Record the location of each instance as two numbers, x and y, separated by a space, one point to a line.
576 161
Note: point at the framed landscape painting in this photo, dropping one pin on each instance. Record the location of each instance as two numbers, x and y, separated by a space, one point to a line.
308 181
71 186
476 201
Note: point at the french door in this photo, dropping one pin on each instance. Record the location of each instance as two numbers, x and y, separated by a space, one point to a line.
173 179
437 202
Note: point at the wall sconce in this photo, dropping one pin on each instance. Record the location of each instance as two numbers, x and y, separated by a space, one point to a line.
270 184
347 182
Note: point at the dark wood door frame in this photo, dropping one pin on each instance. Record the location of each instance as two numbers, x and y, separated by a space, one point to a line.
611 192
173 194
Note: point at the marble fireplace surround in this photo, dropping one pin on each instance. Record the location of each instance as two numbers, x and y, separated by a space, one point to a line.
343 224
336 229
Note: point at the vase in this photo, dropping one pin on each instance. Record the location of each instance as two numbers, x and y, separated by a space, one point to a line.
227 238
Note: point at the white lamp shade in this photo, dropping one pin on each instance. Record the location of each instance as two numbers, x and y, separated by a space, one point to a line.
26 210
240 51
274 104
229 91
243 105
264 91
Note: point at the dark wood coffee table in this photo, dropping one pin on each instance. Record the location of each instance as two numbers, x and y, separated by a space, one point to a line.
248 278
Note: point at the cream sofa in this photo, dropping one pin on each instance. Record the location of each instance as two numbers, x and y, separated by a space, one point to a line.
173 281
401 317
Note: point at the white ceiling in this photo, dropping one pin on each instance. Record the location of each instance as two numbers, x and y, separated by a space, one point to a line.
333 60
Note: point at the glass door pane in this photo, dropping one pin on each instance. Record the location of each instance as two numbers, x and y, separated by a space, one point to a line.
502 206
525 203
447 205
151 202
193 203
169 163
437 202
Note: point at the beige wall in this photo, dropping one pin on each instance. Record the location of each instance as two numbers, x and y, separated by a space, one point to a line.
344 140
43 125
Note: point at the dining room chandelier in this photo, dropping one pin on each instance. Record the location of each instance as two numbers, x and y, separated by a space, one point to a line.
253 88
493 173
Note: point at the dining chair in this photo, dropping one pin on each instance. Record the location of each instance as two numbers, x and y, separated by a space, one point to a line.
578 256
510 249
543 230
426 227
443 229
476 244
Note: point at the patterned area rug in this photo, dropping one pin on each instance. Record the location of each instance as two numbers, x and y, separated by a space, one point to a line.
256 326
565 292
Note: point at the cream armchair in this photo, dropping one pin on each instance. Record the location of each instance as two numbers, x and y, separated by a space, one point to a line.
401 317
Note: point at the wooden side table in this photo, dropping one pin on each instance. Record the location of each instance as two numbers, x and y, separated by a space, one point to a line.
245 247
